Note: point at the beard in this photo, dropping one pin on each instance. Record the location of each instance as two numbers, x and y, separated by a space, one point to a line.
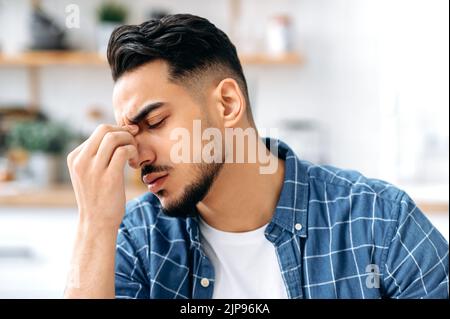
186 205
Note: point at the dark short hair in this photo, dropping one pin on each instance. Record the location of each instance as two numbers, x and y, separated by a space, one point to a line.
188 43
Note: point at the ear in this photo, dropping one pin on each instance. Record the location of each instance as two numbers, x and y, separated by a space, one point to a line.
231 102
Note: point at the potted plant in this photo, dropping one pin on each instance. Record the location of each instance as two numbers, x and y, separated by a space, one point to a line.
45 142
110 15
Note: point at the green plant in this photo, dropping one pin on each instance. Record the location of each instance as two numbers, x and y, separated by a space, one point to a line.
39 136
112 12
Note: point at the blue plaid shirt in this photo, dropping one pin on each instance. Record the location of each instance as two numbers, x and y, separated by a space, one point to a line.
337 234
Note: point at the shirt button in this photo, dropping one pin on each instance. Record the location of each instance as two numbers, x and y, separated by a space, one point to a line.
204 282
298 226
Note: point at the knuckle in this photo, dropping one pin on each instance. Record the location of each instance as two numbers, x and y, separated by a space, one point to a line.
77 166
122 151
70 158
111 137
103 128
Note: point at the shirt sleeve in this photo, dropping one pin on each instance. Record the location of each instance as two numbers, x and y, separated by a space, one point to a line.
416 264
131 281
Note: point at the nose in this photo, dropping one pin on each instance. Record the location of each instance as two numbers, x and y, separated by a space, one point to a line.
146 153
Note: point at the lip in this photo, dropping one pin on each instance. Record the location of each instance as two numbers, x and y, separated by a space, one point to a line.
154 181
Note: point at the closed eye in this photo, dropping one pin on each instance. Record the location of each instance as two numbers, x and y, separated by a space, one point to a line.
156 125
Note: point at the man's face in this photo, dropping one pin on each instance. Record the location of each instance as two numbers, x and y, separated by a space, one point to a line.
147 98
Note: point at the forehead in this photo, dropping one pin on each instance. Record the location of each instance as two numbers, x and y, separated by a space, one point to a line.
148 83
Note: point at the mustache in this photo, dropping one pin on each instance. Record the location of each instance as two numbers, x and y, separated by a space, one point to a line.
147 169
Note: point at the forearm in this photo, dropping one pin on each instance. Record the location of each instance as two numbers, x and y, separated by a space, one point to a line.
92 268
96 170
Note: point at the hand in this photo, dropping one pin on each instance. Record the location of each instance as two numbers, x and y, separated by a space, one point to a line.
97 172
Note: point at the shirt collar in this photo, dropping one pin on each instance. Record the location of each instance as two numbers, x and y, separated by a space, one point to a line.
291 210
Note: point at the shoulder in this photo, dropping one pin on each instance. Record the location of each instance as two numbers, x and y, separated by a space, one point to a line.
346 182
345 194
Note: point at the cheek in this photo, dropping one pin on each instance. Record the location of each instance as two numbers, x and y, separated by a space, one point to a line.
162 149
182 175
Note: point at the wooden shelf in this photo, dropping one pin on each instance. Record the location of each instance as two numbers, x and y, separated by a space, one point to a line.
33 60
44 58
53 196
266 59
48 58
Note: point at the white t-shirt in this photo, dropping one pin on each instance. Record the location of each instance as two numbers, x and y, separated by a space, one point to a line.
245 264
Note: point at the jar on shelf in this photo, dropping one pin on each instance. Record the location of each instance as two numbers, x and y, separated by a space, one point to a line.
279 29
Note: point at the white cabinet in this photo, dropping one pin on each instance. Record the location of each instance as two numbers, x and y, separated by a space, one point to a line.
35 251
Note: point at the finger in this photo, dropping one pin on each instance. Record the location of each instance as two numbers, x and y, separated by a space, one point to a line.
93 142
121 155
78 149
74 153
111 141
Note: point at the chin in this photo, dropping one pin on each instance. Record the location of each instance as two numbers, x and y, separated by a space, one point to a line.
165 197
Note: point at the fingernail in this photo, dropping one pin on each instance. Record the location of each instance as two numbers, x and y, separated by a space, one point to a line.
133 129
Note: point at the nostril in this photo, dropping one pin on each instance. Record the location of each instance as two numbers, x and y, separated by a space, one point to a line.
146 162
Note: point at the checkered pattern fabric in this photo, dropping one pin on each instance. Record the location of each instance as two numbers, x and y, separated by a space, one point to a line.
337 234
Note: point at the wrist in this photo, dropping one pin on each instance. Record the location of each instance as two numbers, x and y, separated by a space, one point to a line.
94 234
100 226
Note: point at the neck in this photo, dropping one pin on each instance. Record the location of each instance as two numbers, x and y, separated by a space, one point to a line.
241 198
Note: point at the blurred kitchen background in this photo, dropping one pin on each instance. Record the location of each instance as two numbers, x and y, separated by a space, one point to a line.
361 84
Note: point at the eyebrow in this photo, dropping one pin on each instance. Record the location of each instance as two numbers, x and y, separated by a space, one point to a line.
142 114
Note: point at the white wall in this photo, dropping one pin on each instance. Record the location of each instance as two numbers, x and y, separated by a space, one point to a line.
339 85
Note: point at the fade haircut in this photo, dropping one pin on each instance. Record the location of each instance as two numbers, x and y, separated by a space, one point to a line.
192 46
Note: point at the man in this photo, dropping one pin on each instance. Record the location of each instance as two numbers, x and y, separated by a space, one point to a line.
214 226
